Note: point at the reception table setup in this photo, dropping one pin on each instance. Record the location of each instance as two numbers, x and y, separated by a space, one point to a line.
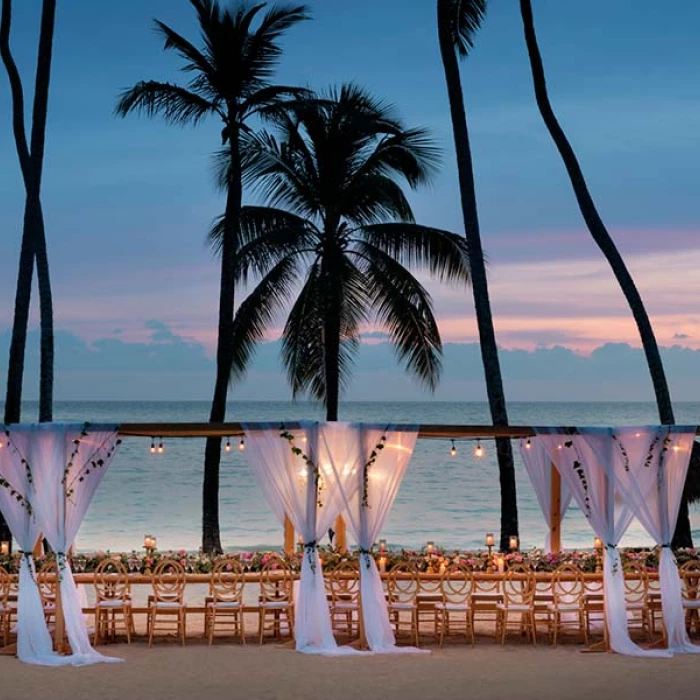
55 608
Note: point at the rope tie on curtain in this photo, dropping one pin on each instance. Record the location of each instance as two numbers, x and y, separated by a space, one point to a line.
310 549
29 558
367 553
666 545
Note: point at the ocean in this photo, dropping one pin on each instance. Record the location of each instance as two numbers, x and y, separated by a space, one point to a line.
452 501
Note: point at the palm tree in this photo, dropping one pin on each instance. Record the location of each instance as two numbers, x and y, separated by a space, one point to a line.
458 21
599 232
230 80
339 219
33 247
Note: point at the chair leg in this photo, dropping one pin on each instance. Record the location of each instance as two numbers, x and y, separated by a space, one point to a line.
151 625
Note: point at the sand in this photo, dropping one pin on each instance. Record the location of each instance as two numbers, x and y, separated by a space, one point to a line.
487 671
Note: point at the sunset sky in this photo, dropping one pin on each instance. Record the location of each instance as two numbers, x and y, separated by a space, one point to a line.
128 202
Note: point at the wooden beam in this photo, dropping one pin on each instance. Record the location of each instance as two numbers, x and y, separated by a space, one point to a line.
341 537
288 536
555 511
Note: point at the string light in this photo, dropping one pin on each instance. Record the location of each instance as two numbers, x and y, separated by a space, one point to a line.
479 451
453 450
2 444
241 444
228 444
528 444
160 446
153 446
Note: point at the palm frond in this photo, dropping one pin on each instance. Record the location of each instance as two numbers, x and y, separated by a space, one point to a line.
194 59
443 253
461 19
175 103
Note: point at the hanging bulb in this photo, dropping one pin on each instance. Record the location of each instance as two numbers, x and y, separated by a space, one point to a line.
228 445
241 444
2 444
453 450
153 445
479 451
528 444
160 446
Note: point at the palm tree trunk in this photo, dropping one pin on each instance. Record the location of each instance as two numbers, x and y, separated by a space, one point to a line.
331 352
602 238
211 538
482 305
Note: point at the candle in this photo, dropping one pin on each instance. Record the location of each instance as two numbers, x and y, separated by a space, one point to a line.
5 548
597 543
429 547
513 542
500 564
149 542
382 565
382 545
443 567
490 541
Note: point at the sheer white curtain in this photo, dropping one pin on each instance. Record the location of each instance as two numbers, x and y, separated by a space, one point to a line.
68 462
651 476
586 462
294 470
538 465
34 644
383 455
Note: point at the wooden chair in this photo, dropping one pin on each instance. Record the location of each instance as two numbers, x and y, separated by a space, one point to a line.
594 605
454 613
224 604
47 581
656 613
276 602
690 576
429 594
112 601
518 601
166 607
5 612
568 603
486 596
637 597
402 593
344 583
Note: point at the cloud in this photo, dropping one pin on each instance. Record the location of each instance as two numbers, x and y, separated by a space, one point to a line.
681 336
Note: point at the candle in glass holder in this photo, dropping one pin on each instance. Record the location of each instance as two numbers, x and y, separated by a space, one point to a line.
513 542
597 543
443 566
490 541
149 542
429 547
382 565
382 545
500 564
5 548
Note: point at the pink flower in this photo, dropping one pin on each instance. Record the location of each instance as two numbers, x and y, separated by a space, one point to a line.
228 567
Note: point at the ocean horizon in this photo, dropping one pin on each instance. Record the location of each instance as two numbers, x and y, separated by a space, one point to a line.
452 501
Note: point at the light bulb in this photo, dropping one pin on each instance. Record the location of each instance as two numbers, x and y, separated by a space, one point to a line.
479 451
228 445
160 446
528 444
241 445
153 446
453 450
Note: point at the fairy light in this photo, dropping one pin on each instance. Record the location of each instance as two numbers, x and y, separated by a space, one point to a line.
161 449
241 444
453 449
153 445
528 444
479 451
228 445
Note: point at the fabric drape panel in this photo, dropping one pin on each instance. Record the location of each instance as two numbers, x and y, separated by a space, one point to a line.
651 476
538 465
586 461
67 464
375 486
296 475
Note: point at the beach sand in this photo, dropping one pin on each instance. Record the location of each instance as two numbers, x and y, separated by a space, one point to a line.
487 671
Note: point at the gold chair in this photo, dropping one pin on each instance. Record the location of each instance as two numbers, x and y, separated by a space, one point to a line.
112 601
276 600
518 600
47 581
690 576
167 604
568 602
5 612
454 613
656 613
224 604
594 605
428 595
344 581
486 596
637 597
402 592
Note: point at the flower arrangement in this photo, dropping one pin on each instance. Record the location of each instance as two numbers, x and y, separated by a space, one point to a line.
476 560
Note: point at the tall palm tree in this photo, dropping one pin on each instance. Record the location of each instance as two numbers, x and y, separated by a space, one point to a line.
230 80
607 246
339 219
33 247
458 21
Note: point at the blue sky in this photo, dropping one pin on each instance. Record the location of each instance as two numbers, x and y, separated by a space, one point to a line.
128 202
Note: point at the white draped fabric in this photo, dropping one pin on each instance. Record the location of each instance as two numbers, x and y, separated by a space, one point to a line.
651 476
383 457
538 465
586 460
297 477
65 464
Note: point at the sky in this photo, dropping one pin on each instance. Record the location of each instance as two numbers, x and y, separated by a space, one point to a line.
128 201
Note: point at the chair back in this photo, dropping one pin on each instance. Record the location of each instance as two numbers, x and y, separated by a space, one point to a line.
636 582
690 575
345 582
457 584
4 587
402 584
227 581
567 585
47 581
276 580
169 581
518 585
111 581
